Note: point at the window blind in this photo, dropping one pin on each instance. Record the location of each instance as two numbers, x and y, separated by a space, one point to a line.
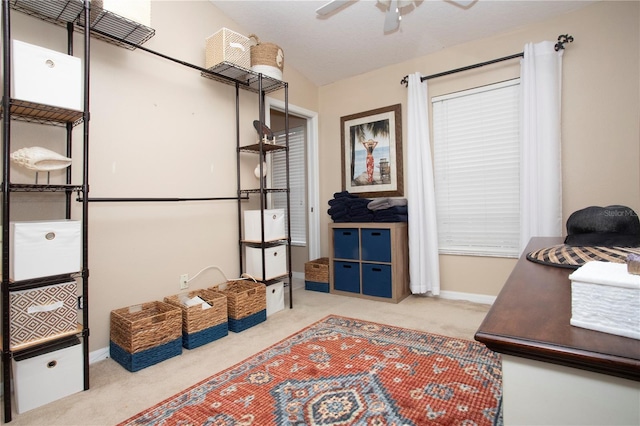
476 167
297 182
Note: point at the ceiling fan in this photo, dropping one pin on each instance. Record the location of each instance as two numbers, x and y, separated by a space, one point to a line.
393 9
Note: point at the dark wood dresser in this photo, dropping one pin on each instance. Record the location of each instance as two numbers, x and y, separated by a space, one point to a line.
553 372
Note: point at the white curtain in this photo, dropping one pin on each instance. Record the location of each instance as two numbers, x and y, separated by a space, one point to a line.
424 267
540 170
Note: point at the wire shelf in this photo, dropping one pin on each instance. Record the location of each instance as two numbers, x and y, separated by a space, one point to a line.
228 73
264 190
265 148
57 12
117 30
24 187
43 114
105 25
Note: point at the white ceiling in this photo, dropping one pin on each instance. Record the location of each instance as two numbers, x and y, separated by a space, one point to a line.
351 41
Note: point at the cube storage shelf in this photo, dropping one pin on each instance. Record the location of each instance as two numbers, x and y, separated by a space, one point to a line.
369 260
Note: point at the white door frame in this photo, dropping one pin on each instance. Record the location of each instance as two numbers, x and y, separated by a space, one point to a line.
313 174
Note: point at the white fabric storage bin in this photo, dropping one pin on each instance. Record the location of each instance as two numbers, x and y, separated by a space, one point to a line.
273 225
275 262
135 10
226 45
605 297
275 298
46 76
43 312
48 377
43 248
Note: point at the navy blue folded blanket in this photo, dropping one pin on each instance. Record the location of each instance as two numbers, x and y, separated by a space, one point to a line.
346 207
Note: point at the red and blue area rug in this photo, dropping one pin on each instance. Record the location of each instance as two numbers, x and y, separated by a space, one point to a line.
344 371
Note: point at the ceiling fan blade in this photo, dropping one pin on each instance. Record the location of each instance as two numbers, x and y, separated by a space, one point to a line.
332 6
392 18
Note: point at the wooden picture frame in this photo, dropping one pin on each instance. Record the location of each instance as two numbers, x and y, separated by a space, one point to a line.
371 154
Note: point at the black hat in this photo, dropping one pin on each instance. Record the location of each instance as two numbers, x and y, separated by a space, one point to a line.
606 234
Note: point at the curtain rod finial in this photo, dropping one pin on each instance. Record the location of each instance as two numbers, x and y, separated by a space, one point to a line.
562 39
405 81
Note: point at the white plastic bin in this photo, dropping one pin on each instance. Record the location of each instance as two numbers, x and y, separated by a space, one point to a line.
46 76
43 248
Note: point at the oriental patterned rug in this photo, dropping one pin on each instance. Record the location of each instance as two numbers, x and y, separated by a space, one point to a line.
344 371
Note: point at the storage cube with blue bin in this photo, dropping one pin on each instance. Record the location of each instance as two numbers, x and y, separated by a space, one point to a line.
369 260
346 276
346 243
376 245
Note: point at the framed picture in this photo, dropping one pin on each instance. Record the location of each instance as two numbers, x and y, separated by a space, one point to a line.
372 153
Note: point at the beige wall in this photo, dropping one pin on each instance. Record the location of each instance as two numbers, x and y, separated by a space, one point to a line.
601 142
161 130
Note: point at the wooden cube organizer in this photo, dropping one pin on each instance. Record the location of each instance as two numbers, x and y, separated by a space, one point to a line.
369 260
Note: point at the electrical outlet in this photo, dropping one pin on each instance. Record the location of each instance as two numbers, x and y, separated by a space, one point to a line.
184 281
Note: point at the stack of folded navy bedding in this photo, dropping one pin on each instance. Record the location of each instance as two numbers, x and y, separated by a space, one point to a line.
346 207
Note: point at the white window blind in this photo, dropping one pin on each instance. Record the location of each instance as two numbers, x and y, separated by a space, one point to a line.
476 167
297 182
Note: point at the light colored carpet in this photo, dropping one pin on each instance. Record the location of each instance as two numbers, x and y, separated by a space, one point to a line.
117 394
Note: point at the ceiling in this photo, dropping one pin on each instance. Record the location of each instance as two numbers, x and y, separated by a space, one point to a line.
352 41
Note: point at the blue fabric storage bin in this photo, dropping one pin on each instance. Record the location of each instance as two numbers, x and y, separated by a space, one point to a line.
346 276
346 243
376 245
139 360
376 280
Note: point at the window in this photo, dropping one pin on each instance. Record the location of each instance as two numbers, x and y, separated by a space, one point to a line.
476 168
297 182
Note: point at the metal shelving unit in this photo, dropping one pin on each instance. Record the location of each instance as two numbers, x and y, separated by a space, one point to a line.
121 32
260 84
104 25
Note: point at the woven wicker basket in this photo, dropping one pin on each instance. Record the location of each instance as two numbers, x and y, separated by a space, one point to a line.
244 298
145 326
317 270
195 318
267 58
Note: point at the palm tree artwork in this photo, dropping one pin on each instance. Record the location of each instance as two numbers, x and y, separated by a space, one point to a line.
367 134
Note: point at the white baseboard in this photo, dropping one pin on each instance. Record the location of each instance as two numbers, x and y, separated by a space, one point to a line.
99 355
470 297
298 279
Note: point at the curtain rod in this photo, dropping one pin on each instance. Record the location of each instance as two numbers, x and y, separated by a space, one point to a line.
562 39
